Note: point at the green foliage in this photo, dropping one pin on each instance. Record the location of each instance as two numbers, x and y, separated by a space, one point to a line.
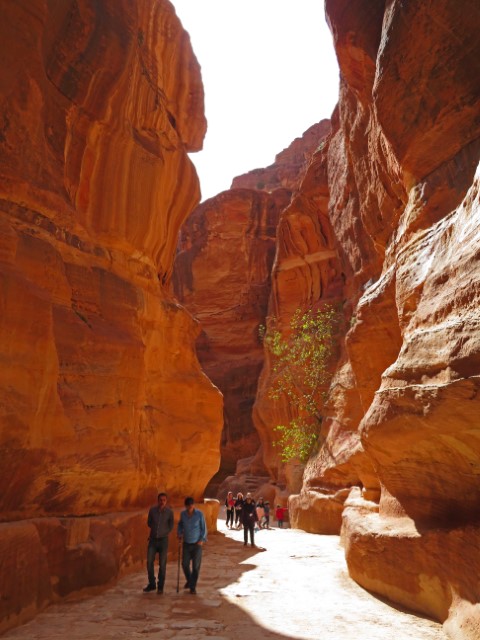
300 359
297 440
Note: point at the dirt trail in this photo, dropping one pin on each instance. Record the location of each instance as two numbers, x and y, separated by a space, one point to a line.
298 588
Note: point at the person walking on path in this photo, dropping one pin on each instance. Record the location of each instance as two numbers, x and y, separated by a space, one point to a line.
280 515
267 514
238 510
249 518
230 506
160 521
192 529
261 513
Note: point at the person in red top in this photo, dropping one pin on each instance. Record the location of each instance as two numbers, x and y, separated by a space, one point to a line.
280 515
230 507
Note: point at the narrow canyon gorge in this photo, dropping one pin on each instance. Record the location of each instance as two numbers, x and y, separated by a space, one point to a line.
130 313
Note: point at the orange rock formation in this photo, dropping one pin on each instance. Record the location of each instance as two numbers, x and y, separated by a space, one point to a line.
222 275
100 388
51 558
101 391
403 202
306 270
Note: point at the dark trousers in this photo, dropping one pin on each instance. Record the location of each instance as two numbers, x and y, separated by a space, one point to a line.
160 546
246 528
230 517
238 515
191 561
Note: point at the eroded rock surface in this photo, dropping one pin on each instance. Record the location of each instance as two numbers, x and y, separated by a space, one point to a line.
403 202
222 276
100 388
306 270
101 392
45 560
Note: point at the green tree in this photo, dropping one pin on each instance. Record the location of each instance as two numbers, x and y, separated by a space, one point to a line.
300 364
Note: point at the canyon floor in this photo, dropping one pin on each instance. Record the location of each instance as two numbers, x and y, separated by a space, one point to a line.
297 588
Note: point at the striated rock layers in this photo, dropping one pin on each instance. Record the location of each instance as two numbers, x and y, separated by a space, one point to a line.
46 559
306 273
402 184
102 399
101 394
222 275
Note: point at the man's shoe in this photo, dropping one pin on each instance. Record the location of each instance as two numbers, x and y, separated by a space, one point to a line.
159 591
186 585
149 587
193 591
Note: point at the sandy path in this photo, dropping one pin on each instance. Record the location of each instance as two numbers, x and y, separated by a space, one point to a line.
298 588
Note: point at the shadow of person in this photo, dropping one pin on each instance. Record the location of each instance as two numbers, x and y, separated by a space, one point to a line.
221 603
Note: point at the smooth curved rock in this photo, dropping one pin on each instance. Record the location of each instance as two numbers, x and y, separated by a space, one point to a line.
404 205
101 394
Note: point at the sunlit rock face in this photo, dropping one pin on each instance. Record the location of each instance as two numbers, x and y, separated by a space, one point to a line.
404 206
309 272
102 399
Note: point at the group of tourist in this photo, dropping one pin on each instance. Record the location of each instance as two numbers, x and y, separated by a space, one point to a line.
253 516
191 531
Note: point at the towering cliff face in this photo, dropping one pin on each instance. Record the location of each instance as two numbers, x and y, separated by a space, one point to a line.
100 388
403 189
306 270
222 275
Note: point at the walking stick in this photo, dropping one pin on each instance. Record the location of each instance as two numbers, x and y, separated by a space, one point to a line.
178 564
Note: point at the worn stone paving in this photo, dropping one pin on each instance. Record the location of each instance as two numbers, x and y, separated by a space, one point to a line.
297 588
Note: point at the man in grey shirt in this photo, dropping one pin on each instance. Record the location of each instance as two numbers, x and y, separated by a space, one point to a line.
160 521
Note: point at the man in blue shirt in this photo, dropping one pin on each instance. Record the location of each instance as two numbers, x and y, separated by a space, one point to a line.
193 530
160 521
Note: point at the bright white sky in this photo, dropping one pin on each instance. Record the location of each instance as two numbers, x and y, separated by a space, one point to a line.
269 72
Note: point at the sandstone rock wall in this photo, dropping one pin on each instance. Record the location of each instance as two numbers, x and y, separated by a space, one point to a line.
403 183
290 164
306 270
52 558
222 275
102 399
